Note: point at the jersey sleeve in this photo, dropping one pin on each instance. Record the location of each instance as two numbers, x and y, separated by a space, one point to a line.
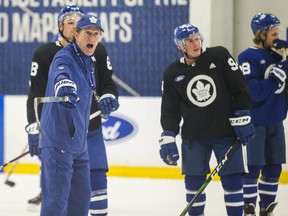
260 88
104 82
236 83
38 82
170 105
104 73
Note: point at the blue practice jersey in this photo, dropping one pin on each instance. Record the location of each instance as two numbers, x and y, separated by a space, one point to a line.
269 98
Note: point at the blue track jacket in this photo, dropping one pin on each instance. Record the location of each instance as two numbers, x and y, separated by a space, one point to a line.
63 128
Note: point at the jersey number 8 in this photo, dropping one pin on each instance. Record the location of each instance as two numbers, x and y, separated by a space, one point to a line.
34 68
245 67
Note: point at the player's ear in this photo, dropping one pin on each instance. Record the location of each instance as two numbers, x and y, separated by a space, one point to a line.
75 34
262 36
60 26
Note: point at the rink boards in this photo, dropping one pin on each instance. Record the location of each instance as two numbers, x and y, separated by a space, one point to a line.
131 136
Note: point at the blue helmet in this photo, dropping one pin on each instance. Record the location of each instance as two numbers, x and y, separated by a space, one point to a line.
264 21
184 31
69 9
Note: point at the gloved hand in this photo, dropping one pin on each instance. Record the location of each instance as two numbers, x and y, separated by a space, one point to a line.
66 87
33 139
279 72
281 47
242 126
107 104
278 75
279 44
168 148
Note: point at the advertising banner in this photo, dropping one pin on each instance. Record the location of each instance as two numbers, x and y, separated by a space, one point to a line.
138 35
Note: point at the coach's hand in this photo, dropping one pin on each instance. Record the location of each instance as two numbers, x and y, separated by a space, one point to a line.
66 87
168 148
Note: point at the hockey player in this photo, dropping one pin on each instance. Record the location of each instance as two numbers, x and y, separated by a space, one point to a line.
105 86
266 76
205 88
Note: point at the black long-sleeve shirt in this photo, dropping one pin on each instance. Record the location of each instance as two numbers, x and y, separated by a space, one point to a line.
204 95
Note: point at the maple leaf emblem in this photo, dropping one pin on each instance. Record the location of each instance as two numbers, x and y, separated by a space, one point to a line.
93 20
202 92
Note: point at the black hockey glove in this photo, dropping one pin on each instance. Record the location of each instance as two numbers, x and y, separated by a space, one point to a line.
33 139
242 126
168 148
66 87
107 104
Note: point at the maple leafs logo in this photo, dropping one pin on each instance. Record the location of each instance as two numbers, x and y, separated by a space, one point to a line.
202 92
93 20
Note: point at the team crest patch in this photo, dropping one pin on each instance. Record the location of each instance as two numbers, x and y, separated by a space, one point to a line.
201 90
179 78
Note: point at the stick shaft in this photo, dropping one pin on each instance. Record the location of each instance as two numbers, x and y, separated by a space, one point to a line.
15 165
210 177
15 159
95 114
39 100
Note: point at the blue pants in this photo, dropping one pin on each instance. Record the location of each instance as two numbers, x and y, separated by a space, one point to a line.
268 146
196 155
65 182
97 150
98 169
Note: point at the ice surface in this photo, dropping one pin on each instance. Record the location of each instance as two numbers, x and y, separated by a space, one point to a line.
128 197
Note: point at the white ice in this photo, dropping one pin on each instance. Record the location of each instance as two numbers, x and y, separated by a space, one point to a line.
128 197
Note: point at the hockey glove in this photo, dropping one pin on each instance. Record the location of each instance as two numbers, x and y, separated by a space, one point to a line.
33 139
168 148
66 87
242 126
279 73
281 48
279 44
107 104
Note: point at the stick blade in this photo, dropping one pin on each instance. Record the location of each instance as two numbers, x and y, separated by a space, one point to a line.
10 183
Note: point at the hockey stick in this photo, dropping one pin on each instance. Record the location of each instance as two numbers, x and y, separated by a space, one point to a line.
95 114
7 181
39 100
45 100
15 159
211 176
124 85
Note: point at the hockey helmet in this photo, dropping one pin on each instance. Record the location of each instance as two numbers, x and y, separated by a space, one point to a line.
69 9
184 31
264 21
